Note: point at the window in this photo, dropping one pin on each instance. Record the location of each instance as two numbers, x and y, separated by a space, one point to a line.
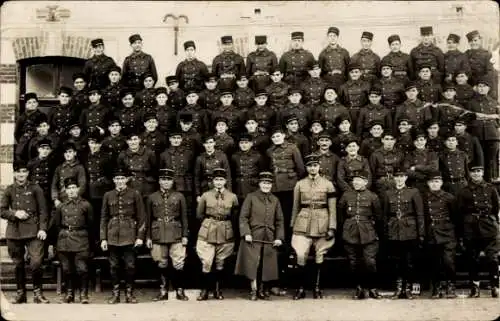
44 76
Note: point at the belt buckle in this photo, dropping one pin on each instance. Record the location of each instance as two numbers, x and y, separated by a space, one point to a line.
356 217
71 228
399 215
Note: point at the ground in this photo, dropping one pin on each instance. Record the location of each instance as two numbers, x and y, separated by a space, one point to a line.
336 306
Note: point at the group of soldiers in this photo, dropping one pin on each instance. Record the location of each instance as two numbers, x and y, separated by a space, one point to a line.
260 155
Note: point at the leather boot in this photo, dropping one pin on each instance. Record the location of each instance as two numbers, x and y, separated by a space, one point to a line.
70 296
359 294
253 295
219 274
84 290
163 295
178 284
408 291
115 296
474 291
300 293
450 290
494 288
263 292
20 297
205 279
129 295
437 290
398 293
373 293
317 293
38 296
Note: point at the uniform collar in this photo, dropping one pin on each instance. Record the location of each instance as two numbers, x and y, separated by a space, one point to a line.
140 151
72 163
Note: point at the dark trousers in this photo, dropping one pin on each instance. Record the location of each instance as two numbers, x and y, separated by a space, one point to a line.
16 249
116 255
94 236
473 248
442 260
490 151
75 263
286 201
404 254
363 263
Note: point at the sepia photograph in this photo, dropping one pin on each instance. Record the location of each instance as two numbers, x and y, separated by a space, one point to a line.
249 160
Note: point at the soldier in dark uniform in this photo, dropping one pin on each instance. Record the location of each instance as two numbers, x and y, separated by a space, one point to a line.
428 90
373 111
328 161
367 59
295 107
262 113
165 113
361 213
23 206
129 113
199 114
80 100
434 140
453 164
481 63
191 72
485 126
223 141
243 95
176 96
374 141
210 96
393 87
260 63
448 108
111 93
228 65
74 222
314 222
333 60
315 130
167 233
42 133
229 111
217 210
42 168
412 108
191 138
440 215
122 230
383 162
246 164
467 142
137 64
313 87
349 165
465 92
205 164
97 114
261 225
405 227
404 141
77 138
354 93
141 163
97 67
429 54
152 138
113 144
420 161
277 90
25 128
260 140
145 98
71 167
454 59
478 228
344 135
329 110
402 64
293 63
63 114
294 136
179 157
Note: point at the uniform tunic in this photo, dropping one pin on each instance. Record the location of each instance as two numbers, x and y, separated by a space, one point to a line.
428 91
74 219
369 145
287 166
278 95
111 96
393 92
130 119
354 95
333 61
41 173
143 167
383 162
440 215
243 98
177 99
302 112
369 63
346 169
263 61
454 61
464 94
209 99
339 142
224 143
66 170
191 74
155 141
454 168
299 140
415 111
264 115
228 63
24 130
328 113
167 117
328 163
96 69
312 91
181 160
402 65
428 55
135 66
233 115
471 146
95 115
294 65
370 113
99 166
480 62
201 121
146 98
60 117
113 145
425 161
203 168
80 101
246 167
167 217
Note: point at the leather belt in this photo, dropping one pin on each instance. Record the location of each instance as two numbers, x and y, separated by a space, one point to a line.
167 219
219 218
440 218
74 228
313 206
401 215
360 218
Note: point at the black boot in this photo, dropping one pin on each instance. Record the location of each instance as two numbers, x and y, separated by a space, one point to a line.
263 292
300 293
84 290
163 295
115 296
20 297
253 295
450 290
205 283
38 296
494 288
408 290
398 293
178 284
317 293
129 295
21 286
70 296
437 290
373 293
474 291
359 293
219 274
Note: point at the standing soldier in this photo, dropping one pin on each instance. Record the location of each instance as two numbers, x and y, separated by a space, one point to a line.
176 96
210 96
80 100
293 63
429 54
393 88
328 161
478 228
129 113
362 215
402 64
454 59
167 115
329 110
481 62
61 116
42 168
115 142
122 231
374 111
453 164
137 64
145 98
313 87
350 164
217 209
23 206
261 225
262 113
354 93
97 67
383 161
243 95
260 63
167 233
198 115
111 93
228 65
440 216
97 114
405 228
467 142
367 59
485 126
191 72
333 60
74 222
314 221
25 128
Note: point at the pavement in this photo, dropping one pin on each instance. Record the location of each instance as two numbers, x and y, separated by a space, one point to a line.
337 305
